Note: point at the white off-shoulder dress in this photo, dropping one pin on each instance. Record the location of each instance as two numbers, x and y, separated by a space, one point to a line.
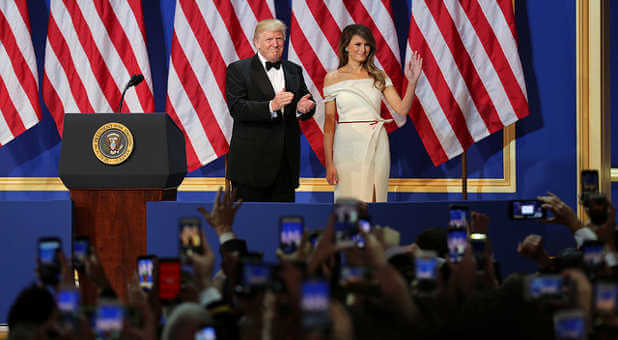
361 152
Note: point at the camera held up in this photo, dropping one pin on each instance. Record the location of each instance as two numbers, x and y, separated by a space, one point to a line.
595 202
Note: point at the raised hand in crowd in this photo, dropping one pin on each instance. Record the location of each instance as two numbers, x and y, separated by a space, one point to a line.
463 277
395 293
606 232
563 214
141 324
343 327
583 290
322 256
203 264
221 218
532 248
95 271
479 224
387 236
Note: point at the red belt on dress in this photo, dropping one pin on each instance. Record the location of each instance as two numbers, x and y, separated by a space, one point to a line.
371 122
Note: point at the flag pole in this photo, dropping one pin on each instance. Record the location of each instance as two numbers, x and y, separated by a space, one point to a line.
227 181
464 176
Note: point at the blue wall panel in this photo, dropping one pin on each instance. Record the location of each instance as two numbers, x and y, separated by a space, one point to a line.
22 224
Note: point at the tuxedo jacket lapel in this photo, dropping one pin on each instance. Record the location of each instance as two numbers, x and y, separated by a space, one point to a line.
291 79
258 74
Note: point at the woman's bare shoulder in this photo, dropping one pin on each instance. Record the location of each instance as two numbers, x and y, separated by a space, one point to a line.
332 77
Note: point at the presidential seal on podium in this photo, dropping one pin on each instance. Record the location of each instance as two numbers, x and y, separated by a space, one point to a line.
112 143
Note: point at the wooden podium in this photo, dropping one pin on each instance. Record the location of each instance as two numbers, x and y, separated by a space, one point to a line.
109 188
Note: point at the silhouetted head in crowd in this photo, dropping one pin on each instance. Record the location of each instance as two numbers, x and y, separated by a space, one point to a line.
31 313
404 263
568 258
435 239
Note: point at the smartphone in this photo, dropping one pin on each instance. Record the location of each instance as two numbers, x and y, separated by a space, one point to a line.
593 253
189 236
547 287
146 271
363 226
206 333
67 301
527 210
49 263
352 275
426 265
426 270
315 295
109 318
589 181
169 278
458 216
605 297
291 230
456 242
570 324
255 275
347 213
81 250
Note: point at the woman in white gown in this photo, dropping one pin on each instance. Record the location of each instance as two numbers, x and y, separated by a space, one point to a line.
355 140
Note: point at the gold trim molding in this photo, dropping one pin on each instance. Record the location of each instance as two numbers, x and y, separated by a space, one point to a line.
593 134
506 184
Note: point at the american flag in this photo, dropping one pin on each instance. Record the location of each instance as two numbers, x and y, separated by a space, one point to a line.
208 35
314 34
472 83
93 48
20 108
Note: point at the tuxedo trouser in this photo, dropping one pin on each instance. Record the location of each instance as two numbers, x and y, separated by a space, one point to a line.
281 190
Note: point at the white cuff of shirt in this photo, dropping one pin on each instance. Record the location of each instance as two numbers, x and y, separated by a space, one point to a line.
584 234
226 237
273 114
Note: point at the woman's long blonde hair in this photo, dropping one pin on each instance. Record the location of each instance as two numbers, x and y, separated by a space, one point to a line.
363 32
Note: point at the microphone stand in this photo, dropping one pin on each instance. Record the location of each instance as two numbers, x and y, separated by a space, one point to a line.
135 80
122 97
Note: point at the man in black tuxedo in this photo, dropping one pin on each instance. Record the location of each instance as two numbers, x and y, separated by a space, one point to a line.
266 96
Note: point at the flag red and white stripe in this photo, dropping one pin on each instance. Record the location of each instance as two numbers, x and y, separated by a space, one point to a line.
93 48
314 34
20 108
472 83
208 35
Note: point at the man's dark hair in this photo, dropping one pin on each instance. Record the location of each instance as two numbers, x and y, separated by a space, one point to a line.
34 305
435 239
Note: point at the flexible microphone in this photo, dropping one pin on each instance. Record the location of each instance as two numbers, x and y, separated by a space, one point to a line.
135 79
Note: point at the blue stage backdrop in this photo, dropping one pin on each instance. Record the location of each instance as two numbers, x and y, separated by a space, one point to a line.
22 224
545 153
